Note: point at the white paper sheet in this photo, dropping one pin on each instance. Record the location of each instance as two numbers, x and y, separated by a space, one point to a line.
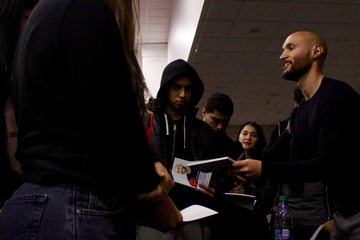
195 212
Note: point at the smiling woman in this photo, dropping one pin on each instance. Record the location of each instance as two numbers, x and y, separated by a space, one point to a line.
252 138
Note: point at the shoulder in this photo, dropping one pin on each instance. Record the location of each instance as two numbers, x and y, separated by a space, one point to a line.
201 125
333 91
201 130
336 87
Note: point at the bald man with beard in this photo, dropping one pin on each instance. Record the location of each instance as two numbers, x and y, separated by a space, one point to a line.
324 135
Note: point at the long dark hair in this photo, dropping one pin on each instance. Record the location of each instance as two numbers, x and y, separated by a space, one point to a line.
10 19
257 151
127 17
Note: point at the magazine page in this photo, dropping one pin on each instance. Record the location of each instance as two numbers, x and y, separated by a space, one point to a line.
189 177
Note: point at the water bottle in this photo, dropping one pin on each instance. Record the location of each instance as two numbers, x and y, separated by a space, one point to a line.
283 221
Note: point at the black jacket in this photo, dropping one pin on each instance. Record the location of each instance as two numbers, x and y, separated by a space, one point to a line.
189 139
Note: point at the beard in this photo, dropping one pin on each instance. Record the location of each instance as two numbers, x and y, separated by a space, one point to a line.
299 66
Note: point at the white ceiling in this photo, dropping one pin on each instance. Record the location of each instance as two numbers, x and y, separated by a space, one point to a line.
238 43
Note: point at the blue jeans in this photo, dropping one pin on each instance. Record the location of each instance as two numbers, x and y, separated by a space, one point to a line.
62 212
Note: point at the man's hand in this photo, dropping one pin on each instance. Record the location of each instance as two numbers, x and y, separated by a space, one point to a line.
249 169
207 191
166 183
238 188
166 215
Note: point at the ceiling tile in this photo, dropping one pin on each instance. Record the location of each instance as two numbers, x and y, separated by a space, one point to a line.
342 31
224 10
205 57
263 68
265 11
210 44
216 28
350 15
290 27
342 46
231 68
254 29
244 45
316 12
237 57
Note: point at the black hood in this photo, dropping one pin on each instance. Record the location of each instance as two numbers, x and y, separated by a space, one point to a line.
181 68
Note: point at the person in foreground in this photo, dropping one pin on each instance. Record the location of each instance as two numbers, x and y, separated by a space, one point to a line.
318 150
82 143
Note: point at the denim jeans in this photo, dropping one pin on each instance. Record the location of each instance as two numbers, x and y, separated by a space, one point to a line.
62 212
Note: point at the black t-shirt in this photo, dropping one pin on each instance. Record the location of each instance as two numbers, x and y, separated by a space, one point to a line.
78 119
325 141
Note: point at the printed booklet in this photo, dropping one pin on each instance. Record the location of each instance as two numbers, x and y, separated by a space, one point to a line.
187 176
212 165
187 173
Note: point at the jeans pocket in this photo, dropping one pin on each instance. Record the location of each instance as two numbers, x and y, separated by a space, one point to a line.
103 219
102 210
21 215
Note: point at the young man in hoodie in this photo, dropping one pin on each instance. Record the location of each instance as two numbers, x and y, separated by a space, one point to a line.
176 132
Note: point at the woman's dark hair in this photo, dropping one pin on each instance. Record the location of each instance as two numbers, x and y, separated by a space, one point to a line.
127 17
10 19
257 151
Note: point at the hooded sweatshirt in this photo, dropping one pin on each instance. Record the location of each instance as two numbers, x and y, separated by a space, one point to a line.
189 138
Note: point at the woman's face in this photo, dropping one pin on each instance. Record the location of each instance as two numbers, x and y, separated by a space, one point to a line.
248 137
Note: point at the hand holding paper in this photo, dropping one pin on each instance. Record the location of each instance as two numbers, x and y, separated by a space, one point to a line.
249 169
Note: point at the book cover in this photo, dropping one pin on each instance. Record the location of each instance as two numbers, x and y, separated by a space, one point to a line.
212 165
187 176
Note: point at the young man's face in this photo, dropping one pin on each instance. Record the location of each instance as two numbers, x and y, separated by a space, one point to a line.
296 57
217 121
179 94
